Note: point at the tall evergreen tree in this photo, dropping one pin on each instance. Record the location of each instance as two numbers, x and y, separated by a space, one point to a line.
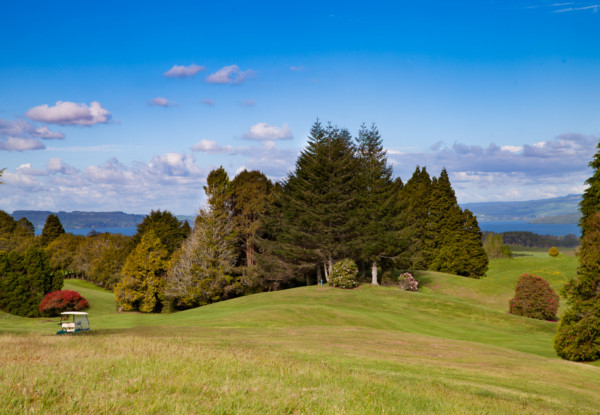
578 332
219 192
319 200
415 199
590 202
52 229
377 193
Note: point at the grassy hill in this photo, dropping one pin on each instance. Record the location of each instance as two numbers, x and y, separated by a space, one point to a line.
450 348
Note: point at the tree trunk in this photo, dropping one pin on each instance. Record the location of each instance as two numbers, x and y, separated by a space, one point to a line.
319 275
326 273
374 273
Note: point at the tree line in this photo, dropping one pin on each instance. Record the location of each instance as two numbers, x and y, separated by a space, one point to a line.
341 201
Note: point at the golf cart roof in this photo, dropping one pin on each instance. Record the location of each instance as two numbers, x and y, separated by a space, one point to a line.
75 313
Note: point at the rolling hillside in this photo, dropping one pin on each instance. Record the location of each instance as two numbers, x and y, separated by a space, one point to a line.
450 348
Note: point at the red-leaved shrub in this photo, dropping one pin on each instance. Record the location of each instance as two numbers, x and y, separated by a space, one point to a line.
58 301
534 298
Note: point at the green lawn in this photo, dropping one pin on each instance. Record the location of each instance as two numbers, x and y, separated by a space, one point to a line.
450 348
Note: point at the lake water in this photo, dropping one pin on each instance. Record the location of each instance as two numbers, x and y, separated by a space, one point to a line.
556 229
497 226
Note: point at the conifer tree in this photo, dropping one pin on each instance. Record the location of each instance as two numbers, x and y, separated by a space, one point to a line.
170 230
52 229
319 200
219 192
415 199
377 193
578 332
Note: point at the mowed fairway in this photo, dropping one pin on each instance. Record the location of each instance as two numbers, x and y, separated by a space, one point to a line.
450 348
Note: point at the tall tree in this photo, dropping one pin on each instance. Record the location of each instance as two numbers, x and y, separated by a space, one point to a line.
415 199
377 193
578 332
144 272
52 229
250 193
218 192
319 200
202 271
590 202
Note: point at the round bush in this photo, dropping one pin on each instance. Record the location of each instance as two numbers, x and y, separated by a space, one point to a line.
578 334
553 252
58 301
407 282
534 298
343 274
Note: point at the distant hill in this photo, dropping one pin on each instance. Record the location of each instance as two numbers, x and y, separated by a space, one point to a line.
556 210
82 220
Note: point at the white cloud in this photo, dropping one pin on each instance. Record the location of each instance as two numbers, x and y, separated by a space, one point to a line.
212 147
182 71
44 133
70 113
229 75
593 7
21 135
161 102
265 132
208 102
21 144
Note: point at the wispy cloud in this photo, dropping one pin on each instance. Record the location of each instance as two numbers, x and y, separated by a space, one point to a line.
296 68
266 132
162 102
209 102
21 135
70 113
231 75
593 7
182 71
247 103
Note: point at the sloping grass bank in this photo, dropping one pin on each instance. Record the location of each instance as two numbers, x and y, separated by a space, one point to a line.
451 348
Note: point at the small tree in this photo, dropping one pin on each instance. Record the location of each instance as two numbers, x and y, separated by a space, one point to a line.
534 298
52 229
143 276
343 274
58 301
553 252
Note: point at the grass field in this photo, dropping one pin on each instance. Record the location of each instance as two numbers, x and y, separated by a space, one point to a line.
450 348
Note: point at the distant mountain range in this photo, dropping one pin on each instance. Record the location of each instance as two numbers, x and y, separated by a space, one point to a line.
556 210
82 220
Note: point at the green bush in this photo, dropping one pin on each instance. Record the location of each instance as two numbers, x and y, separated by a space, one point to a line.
553 252
578 333
344 274
534 298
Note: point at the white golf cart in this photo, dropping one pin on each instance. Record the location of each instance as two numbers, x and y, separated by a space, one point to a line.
73 322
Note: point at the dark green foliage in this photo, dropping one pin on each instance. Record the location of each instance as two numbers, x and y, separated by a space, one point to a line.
7 224
530 239
166 226
377 208
24 227
24 280
453 238
578 334
534 298
344 274
414 207
218 192
52 230
319 200
590 203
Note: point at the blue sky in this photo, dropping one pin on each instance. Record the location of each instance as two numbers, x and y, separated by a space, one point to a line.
128 105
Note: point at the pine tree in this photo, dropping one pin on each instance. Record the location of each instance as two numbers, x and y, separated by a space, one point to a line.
218 192
377 194
414 203
144 276
319 200
590 202
52 230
